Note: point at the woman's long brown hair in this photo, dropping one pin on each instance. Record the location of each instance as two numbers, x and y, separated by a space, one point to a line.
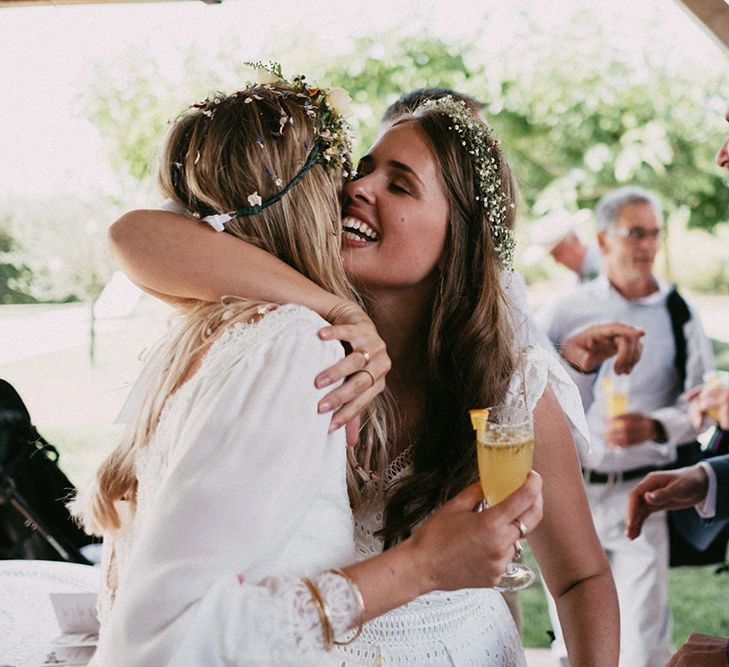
470 359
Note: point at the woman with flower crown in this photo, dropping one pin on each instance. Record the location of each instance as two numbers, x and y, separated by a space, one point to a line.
425 237
228 533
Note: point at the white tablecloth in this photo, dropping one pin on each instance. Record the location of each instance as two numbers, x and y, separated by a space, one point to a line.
27 621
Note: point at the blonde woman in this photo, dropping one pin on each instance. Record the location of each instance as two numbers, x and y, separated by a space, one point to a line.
225 509
425 238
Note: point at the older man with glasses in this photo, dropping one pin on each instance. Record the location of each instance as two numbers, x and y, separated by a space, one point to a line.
636 430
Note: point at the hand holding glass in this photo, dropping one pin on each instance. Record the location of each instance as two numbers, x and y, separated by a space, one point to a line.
505 448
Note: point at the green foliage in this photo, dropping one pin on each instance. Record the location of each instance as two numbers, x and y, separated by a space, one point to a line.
581 116
13 272
578 113
378 70
63 248
131 110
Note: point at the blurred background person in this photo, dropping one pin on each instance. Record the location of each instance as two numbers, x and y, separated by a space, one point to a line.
704 486
560 235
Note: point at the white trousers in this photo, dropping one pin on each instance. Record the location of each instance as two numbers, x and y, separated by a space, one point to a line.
640 569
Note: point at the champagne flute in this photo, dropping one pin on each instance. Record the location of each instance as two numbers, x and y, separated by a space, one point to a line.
714 379
615 388
505 448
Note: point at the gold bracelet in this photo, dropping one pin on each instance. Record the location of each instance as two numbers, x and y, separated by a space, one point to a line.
360 602
323 611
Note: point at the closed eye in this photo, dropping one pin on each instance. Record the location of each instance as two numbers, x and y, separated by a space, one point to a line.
398 189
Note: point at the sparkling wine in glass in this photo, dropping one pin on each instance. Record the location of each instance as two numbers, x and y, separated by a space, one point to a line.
505 447
715 379
616 395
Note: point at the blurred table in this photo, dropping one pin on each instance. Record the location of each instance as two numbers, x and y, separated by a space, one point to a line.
27 621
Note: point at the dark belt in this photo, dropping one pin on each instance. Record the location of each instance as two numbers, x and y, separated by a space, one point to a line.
597 477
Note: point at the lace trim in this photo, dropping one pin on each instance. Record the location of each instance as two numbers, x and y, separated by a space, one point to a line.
342 602
467 627
305 624
369 521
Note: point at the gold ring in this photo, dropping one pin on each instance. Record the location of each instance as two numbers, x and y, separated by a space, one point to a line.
364 370
365 354
522 528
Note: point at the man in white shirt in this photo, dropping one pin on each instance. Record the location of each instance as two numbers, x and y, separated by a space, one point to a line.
641 438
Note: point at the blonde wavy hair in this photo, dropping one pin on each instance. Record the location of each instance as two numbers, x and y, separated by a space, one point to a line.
212 161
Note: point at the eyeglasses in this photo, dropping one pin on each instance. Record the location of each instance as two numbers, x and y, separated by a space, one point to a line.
637 234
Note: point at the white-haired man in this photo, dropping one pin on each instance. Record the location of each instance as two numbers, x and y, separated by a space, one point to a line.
642 438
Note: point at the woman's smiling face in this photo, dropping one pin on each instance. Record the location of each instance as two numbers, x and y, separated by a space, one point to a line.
395 212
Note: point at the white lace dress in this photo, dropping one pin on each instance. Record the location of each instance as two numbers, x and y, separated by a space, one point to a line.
465 627
242 479
241 491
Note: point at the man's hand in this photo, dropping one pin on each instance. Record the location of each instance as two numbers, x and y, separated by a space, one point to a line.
587 349
630 429
701 651
669 490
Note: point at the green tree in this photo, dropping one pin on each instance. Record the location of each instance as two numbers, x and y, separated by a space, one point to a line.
132 102
580 116
13 272
378 70
576 112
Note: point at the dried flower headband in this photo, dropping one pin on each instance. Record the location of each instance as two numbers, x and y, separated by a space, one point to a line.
326 108
478 141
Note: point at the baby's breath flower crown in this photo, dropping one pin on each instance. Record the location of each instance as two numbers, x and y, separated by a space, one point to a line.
478 141
325 108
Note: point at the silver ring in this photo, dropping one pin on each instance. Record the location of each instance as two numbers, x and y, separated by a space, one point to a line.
518 550
365 354
522 528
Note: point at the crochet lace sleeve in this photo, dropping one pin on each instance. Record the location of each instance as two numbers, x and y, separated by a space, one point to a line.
276 623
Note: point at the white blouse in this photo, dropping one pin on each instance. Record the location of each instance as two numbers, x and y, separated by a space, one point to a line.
241 491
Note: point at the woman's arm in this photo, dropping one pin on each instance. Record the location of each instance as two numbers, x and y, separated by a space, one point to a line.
181 257
174 257
569 553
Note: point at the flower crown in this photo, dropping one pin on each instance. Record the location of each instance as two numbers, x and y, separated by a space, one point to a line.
326 108
478 141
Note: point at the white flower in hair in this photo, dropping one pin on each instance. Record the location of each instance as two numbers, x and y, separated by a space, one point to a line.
255 199
218 222
339 101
